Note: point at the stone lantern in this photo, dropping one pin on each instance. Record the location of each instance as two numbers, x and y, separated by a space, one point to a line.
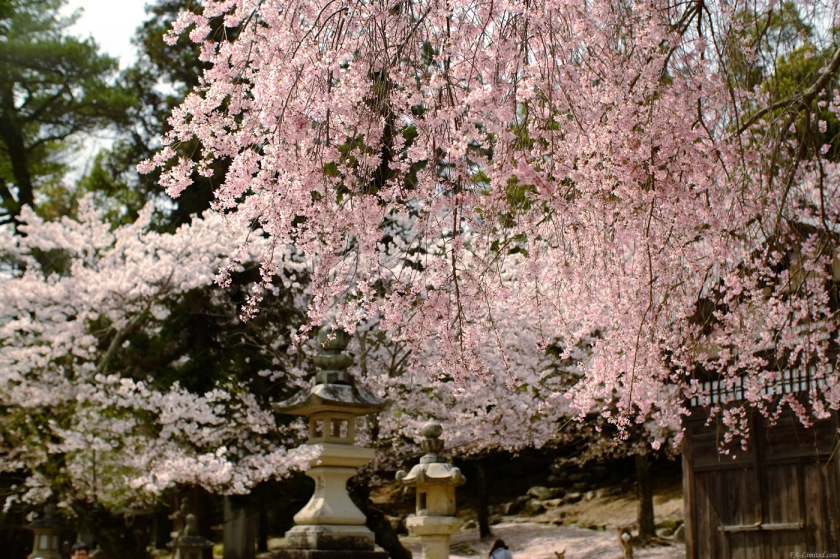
47 531
190 544
435 482
330 525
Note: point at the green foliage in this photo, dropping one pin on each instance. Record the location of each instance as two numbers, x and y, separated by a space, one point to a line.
796 71
53 88
790 62
160 78
195 339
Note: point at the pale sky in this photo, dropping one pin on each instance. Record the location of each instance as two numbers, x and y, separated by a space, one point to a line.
111 23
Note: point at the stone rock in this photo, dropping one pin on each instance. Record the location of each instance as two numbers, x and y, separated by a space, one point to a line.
554 516
553 503
608 492
573 497
589 495
542 493
533 508
514 507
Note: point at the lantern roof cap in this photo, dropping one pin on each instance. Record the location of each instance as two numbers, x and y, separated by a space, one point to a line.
431 470
334 389
344 398
47 521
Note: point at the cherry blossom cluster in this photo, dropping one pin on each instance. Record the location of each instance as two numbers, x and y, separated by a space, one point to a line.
594 169
72 293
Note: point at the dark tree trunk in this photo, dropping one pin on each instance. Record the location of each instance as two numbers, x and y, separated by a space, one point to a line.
14 542
239 528
386 536
262 527
647 524
12 136
483 501
111 533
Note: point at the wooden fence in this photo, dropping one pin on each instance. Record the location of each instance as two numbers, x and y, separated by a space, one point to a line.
777 498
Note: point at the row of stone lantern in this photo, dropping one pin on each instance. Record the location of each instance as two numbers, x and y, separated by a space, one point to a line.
186 544
330 526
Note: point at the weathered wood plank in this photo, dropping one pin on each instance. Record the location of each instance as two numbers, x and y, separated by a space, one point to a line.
780 497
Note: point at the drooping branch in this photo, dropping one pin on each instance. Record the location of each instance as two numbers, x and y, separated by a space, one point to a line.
799 100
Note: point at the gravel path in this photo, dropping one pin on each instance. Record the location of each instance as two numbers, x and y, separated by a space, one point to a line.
541 541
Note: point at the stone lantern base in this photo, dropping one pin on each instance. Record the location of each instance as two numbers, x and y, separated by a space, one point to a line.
327 537
330 542
191 547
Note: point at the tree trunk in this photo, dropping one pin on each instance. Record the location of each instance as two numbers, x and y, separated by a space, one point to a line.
109 532
483 502
12 136
14 542
262 527
386 536
647 524
239 529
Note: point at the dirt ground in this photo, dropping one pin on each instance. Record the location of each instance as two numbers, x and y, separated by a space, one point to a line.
529 540
611 507
585 528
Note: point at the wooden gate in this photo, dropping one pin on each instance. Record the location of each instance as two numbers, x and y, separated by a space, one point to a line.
774 500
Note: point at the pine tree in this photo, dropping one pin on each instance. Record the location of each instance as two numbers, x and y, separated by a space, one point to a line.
53 89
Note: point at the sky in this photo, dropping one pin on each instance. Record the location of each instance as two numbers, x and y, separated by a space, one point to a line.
111 23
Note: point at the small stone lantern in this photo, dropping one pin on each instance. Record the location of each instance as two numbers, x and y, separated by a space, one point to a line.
47 531
190 544
435 482
330 525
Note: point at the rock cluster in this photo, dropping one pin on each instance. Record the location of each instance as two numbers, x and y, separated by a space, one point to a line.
540 499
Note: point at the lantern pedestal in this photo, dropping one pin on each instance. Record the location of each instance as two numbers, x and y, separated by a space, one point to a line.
330 504
330 526
434 532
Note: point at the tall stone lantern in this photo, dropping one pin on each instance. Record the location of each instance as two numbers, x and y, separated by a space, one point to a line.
47 531
330 525
435 482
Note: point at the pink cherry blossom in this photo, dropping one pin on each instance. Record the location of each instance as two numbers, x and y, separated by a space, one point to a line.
592 173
